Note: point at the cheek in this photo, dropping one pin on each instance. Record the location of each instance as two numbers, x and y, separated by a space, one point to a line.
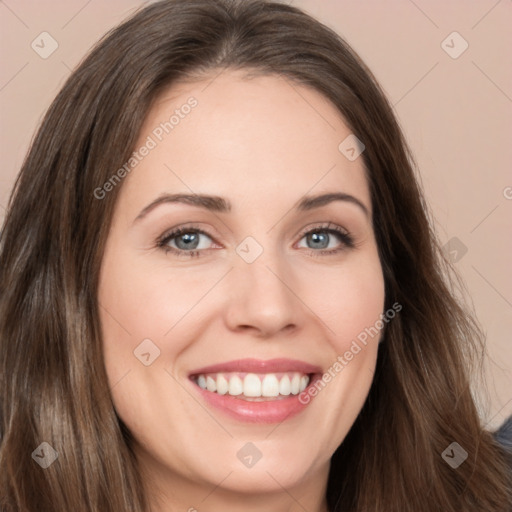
147 301
349 300
147 308
350 305
361 307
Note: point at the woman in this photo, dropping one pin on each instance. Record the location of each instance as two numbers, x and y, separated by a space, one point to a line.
253 372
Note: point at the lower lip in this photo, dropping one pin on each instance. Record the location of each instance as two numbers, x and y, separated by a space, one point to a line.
272 411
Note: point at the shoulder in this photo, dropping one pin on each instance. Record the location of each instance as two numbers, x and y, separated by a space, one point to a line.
504 437
504 434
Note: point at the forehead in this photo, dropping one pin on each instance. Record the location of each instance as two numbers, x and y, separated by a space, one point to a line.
252 140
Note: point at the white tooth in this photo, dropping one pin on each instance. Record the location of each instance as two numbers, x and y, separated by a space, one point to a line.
295 384
222 385
210 384
235 386
284 386
270 385
252 385
304 381
201 381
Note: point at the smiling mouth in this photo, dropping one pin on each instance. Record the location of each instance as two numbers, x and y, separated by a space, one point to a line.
254 387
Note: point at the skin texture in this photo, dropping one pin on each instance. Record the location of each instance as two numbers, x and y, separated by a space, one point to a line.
262 144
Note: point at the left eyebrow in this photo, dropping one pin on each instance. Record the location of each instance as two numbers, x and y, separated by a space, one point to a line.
310 202
221 205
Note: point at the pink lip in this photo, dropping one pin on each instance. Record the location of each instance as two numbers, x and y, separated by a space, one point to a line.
275 411
260 366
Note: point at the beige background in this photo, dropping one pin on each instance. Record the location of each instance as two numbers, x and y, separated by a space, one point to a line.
456 114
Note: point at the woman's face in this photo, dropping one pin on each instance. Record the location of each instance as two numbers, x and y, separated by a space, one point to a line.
257 295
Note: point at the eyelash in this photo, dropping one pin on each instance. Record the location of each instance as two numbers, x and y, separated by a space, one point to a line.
347 240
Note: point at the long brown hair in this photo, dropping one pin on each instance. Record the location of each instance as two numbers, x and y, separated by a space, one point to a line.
53 385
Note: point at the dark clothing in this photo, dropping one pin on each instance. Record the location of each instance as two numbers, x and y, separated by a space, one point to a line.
504 434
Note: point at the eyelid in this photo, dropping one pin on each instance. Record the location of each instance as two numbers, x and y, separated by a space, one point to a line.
183 228
322 226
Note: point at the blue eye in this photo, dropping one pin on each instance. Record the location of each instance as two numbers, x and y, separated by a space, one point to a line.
186 242
321 237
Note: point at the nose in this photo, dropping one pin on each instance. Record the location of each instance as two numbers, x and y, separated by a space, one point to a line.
262 298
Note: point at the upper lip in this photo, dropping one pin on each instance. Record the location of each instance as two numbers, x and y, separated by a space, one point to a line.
260 366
